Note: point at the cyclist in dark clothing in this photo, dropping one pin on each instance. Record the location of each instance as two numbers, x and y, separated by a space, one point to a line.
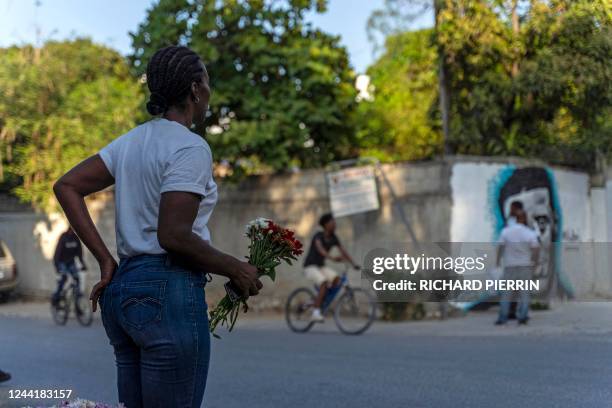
68 249
314 264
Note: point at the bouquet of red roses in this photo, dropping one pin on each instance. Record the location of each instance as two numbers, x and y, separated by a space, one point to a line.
270 245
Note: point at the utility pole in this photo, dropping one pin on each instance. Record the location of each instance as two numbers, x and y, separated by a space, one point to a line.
443 83
37 4
37 44
514 17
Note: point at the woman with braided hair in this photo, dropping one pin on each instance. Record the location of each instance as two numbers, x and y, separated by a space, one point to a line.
152 303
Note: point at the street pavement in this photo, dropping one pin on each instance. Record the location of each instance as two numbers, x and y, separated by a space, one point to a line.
560 360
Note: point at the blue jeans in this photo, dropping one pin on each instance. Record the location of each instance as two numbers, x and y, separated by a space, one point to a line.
522 309
154 313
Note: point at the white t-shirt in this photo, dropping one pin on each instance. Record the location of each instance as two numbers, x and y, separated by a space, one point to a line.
518 241
153 158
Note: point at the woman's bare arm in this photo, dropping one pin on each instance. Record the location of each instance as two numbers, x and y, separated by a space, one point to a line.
347 256
177 212
89 176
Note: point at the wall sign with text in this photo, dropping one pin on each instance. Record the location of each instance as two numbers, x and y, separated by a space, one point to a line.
352 191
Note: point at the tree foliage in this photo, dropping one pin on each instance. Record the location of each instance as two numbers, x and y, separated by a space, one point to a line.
282 91
526 78
530 78
60 103
398 122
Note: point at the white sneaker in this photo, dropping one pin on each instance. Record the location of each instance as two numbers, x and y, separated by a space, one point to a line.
317 317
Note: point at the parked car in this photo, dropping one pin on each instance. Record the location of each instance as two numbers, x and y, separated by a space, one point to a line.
8 271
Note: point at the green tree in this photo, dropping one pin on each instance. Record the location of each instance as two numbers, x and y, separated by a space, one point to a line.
536 82
60 103
400 121
282 91
528 78
569 81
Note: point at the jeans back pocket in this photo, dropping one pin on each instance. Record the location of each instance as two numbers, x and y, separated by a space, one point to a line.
142 302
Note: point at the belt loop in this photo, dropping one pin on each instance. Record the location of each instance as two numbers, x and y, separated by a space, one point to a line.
168 261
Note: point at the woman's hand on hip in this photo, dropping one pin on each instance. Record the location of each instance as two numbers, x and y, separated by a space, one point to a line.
246 280
107 270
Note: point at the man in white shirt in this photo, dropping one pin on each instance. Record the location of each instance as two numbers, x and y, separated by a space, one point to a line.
519 247
515 207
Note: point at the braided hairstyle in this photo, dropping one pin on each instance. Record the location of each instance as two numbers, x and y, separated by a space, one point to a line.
170 73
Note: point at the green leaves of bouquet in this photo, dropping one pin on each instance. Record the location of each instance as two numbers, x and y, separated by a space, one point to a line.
270 246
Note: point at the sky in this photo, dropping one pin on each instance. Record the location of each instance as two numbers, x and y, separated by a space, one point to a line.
109 21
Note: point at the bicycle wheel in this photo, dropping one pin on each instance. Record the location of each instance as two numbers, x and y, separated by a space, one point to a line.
298 310
83 310
60 311
355 311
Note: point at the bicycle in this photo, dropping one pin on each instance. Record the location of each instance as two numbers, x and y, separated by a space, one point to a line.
354 311
60 309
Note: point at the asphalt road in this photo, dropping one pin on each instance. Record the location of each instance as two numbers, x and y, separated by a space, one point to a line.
261 364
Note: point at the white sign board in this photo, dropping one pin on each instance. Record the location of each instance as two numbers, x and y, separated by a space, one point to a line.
352 191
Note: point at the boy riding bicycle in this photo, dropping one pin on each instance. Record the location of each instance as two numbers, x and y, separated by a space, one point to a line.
314 265
68 249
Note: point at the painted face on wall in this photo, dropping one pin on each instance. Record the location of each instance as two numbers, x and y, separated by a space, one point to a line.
533 187
537 204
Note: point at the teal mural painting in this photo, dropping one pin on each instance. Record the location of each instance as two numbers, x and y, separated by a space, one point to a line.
536 189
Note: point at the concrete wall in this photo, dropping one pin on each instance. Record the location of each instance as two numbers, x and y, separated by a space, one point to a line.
294 200
578 215
32 236
443 200
473 182
299 199
608 206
